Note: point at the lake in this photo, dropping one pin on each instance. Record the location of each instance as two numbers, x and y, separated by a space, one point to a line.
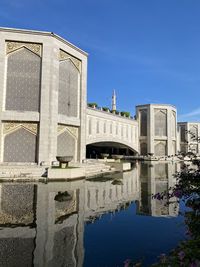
99 222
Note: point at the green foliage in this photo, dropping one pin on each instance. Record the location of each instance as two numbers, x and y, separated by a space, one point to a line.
105 108
187 188
92 104
125 113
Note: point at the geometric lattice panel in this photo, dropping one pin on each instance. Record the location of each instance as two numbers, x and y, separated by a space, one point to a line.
64 247
161 148
17 204
143 149
160 122
173 124
66 145
20 146
143 122
68 89
161 171
23 81
183 133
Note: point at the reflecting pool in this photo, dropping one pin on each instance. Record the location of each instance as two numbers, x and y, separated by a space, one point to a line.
92 223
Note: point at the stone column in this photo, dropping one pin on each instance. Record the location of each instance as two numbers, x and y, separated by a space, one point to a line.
150 129
48 104
169 132
83 104
2 88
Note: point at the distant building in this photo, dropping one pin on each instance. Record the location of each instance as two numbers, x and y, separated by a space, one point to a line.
188 133
157 129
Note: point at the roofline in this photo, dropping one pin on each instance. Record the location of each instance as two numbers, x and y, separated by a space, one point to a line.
184 122
156 104
44 33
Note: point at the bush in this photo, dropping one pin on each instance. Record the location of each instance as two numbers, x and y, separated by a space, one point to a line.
92 104
105 109
125 113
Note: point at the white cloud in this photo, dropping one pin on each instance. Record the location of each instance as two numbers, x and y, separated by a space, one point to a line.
192 115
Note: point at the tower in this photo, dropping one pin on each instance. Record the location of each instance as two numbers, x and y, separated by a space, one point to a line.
114 101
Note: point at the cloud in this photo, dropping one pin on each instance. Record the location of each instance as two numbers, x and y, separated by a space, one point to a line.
192 115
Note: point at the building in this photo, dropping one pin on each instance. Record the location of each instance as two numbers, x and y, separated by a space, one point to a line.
188 133
157 129
43 97
44 114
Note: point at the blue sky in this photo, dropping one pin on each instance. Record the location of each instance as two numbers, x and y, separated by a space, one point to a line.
147 50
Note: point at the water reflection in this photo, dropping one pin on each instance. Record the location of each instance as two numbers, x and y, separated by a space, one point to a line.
43 224
155 178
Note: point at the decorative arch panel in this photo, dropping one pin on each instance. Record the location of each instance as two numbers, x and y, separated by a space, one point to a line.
23 77
20 142
69 85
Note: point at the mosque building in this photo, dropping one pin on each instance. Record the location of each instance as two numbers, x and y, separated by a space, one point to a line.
44 112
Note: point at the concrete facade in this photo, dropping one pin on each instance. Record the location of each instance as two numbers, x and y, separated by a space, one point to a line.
188 133
157 129
35 62
44 113
104 126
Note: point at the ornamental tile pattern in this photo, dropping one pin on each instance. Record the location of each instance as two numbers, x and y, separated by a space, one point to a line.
23 81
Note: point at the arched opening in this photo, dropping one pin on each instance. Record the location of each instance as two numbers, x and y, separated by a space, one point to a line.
94 150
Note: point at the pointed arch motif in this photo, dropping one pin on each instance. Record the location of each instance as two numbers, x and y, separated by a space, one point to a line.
23 80
194 132
20 144
64 56
13 46
160 125
67 138
69 87
160 148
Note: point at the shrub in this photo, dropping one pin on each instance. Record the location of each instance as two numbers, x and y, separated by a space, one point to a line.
125 113
92 104
105 109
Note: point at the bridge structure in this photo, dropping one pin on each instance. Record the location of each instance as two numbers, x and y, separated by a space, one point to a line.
108 130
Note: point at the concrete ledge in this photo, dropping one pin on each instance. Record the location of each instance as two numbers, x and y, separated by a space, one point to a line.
69 173
120 166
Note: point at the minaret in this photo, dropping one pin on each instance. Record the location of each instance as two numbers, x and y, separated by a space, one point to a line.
114 101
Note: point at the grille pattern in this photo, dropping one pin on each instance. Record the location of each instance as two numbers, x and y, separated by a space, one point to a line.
23 81
65 145
160 148
68 89
20 146
160 122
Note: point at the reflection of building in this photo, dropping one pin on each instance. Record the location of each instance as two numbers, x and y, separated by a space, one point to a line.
156 178
59 240
188 133
18 225
103 197
49 218
47 232
157 129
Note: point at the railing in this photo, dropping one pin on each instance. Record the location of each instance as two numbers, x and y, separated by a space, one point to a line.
111 112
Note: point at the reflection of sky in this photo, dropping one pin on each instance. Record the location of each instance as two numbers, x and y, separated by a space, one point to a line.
125 235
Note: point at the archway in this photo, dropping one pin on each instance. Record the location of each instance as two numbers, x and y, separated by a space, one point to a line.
95 150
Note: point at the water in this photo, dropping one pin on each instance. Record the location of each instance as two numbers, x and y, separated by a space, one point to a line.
90 223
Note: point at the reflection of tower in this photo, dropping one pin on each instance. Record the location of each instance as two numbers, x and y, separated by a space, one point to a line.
157 177
114 101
